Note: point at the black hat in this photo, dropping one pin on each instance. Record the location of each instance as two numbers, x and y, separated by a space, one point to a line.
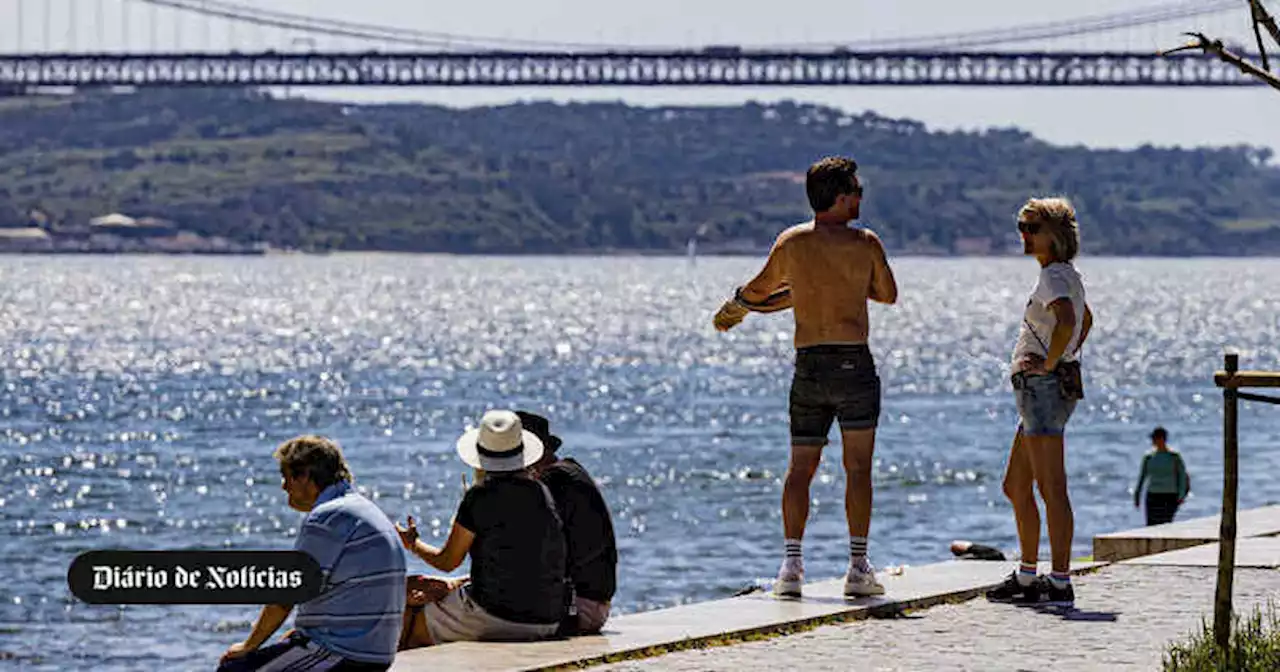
541 428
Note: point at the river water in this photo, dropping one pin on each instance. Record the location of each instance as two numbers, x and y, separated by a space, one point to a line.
141 397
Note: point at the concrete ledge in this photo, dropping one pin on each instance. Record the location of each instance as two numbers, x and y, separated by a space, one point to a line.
1138 542
1251 553
665 630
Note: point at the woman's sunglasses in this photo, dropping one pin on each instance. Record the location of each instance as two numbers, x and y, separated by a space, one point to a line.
1029 228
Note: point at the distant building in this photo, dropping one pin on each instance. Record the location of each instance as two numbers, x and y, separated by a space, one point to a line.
113 219
24 239
115 233
975 246
123 226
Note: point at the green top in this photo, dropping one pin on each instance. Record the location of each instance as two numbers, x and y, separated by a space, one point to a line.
1164 473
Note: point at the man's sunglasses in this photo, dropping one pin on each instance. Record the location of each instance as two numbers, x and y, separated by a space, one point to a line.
1029 228
856 191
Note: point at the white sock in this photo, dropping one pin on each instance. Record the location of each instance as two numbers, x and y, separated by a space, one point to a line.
795 554
858 549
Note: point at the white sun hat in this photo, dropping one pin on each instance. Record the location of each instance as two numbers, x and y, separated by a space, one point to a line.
499 444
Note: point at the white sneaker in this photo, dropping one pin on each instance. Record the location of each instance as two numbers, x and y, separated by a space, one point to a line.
861 580
790 578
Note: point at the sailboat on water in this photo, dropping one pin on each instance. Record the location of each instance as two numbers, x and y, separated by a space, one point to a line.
691 247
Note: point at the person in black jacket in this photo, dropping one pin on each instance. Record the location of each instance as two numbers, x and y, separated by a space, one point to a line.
592 550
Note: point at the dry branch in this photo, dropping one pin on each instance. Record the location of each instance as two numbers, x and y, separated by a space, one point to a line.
1257 35
1261 19
1216 48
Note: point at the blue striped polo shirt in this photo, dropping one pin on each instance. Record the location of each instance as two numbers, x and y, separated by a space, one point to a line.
358 614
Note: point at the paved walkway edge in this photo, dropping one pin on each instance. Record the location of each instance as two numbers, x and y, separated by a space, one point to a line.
855 613
1144 541
663 631
760 616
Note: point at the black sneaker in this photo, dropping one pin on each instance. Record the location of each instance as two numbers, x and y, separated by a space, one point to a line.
1058 597
1013 592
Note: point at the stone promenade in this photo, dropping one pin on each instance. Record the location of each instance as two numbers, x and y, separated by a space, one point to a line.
1156 589
1125 616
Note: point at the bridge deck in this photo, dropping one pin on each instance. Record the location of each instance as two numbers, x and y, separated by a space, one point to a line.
722 67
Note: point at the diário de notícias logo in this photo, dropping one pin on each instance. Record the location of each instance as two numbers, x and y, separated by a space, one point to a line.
194 577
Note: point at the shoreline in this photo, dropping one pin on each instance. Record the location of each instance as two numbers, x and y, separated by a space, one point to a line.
605 253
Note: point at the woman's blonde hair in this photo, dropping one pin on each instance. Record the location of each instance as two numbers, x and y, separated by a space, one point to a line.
1059 216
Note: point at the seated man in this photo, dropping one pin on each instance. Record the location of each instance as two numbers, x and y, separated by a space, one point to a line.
508 524
354 623
588 529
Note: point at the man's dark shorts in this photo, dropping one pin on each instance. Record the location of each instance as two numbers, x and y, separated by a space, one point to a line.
833 382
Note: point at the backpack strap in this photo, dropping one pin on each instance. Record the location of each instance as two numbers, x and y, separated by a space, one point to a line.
1178 469
1041 341
568 624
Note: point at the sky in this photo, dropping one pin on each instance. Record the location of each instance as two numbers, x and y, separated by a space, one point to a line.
1095 117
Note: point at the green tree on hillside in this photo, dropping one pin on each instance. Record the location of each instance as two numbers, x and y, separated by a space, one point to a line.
547 178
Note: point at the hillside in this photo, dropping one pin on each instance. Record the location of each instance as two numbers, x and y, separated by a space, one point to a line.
553 178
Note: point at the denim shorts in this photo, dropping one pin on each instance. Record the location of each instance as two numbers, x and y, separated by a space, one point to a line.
1041 409
833 382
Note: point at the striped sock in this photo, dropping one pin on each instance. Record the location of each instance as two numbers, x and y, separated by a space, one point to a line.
793 549
1060 579
1026 573
857 547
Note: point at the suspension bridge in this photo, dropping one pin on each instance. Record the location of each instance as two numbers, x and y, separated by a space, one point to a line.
59 43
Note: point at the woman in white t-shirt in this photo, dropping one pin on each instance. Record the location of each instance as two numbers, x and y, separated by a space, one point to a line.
1047 385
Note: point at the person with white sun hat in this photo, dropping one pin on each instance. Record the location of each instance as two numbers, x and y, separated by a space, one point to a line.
508 524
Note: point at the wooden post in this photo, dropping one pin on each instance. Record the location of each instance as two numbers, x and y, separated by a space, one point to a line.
1227 530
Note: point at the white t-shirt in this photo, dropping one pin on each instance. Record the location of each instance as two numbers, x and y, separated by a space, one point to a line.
1057 280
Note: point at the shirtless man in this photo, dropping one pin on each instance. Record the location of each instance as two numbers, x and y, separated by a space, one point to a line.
826 270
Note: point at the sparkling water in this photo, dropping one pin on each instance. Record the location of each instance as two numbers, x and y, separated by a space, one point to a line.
142 397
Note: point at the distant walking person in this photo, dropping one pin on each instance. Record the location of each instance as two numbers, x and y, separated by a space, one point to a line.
827 271
1047 384
1166 477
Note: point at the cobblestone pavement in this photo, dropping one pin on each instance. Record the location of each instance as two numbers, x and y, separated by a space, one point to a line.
1125 617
